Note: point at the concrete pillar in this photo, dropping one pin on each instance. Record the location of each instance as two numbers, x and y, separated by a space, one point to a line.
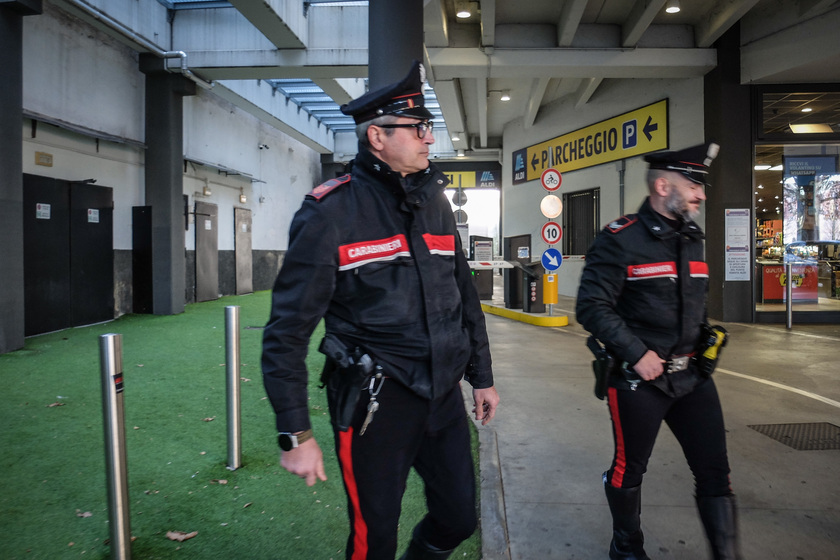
727 121
11 171
395 38
165 93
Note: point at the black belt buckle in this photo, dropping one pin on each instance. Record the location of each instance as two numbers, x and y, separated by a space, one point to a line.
677 363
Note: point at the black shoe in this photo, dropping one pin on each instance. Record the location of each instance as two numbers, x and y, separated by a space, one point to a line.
628 540
719 516
418 549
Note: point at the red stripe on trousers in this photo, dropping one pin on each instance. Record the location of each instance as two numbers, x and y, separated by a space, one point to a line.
360 547
620 457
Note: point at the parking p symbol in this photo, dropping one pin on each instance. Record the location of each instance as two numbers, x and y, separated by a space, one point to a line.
628 135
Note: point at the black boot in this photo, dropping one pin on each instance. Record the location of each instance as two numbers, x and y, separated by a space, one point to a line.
419 549
720 521
626 505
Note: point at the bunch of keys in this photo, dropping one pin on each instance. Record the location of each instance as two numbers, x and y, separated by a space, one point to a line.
373 405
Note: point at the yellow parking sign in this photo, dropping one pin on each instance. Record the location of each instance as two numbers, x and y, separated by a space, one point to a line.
634 133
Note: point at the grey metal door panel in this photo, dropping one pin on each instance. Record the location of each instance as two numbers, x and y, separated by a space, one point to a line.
242 251
206 252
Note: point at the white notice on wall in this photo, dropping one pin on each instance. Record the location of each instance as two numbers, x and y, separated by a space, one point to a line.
208 225
42 211
737 244
93 215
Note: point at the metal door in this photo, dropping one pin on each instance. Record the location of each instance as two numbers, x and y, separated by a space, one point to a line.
206 252
242 251
46 254
91 254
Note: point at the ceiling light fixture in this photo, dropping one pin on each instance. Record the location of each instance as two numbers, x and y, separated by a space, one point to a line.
462 10
762 167
810 129
807 110
459 153
456 137
505 96
672 7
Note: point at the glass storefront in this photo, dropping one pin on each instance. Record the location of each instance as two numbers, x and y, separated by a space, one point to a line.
797 200
797 209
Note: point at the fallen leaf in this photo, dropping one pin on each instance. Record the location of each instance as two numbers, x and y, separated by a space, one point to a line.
80 513
247 505
180 536
139 365
245 379
55 404
218 481
209 419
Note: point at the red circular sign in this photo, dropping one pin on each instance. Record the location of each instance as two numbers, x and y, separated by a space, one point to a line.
551 179
552 232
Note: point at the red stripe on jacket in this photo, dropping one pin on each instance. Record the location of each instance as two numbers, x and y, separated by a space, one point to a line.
364 252
440 244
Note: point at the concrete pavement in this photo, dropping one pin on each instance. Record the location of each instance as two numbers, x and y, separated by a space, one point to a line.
543 455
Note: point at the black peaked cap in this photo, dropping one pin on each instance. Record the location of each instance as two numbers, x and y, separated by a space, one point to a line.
403 98
692 162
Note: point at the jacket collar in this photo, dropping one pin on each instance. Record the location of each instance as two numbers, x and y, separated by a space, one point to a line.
419 187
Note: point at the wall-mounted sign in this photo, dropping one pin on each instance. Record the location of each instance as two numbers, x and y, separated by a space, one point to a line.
635 133
487 179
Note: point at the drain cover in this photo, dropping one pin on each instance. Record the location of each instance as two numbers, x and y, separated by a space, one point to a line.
814 436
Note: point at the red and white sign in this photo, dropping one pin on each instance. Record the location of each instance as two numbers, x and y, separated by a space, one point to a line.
552 232
551 179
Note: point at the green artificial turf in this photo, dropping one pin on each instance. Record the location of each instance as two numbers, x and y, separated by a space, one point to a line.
54 502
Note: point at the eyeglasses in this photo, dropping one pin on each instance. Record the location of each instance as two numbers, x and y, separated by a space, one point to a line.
422 127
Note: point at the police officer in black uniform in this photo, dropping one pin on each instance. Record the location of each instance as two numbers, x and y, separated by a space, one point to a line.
377 255
643 295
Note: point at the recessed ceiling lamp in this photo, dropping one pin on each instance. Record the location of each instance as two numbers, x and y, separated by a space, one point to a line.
672 6
462 10
505 96
456 137
459 153
810 128
807 110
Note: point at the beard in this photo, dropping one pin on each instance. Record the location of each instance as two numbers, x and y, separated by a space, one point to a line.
677 205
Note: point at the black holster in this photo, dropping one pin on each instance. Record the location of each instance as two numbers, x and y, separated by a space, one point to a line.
602 365
346 373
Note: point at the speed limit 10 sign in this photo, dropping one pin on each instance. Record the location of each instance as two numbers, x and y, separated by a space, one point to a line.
552 232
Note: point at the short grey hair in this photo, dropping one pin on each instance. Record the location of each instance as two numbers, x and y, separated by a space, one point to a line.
362 128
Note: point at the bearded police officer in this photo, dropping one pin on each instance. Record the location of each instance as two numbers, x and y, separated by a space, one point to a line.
643 296
377 255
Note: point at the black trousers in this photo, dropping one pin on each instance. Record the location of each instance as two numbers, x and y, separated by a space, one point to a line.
695 419
407 431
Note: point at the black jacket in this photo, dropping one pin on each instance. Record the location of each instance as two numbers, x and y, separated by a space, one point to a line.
644 287
378 256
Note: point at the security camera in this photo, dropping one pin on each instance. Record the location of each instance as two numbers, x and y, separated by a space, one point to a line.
263 146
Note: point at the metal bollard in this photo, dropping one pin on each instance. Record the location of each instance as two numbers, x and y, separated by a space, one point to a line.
110 356
232 360
789 294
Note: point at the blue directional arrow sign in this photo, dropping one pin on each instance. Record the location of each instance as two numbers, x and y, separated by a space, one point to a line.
552 259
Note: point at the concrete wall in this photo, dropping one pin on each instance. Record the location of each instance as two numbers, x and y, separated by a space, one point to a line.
520 203
85 95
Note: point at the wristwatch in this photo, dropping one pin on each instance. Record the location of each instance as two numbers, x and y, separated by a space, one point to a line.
289 441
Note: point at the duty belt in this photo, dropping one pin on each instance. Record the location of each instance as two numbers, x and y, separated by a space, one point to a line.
678 363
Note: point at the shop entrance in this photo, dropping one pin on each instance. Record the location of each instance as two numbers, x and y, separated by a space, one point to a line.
797 209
